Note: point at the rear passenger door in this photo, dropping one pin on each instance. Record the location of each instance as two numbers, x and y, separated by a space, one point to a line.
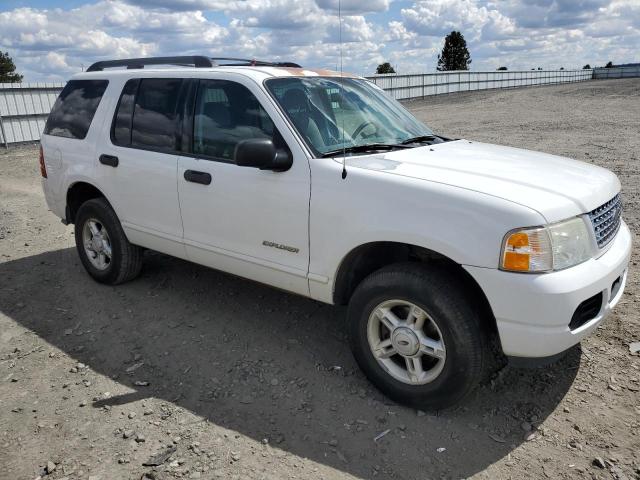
138 162
250 222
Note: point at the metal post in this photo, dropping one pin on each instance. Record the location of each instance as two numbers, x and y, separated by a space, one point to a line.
4 135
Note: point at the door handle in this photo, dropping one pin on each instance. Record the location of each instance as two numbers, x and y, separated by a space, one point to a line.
109 160
197 177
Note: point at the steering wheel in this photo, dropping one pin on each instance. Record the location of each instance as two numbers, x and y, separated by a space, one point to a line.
361 127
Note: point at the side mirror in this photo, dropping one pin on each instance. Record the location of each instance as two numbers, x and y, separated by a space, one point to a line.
261 153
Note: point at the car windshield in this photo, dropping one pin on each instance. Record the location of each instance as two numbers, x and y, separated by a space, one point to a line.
331 114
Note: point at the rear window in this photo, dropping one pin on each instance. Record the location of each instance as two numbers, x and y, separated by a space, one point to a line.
74 109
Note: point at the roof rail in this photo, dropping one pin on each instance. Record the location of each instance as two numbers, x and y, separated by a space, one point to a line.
197 61
192 60
251 62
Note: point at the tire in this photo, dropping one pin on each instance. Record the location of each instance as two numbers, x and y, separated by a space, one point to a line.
449 373
125 260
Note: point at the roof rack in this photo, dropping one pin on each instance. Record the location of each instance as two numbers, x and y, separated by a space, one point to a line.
252 63
193 60
197 61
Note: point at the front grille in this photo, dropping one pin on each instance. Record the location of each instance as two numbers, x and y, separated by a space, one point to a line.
606 220
586 311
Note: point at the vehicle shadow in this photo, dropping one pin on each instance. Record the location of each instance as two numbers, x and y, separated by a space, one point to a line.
266 364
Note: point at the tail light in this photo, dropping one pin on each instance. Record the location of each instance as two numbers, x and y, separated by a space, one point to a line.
43 167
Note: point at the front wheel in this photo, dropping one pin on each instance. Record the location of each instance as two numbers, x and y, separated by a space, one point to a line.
416 336
103 246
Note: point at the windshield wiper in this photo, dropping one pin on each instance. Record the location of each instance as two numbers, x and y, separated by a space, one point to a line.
364 148
419 139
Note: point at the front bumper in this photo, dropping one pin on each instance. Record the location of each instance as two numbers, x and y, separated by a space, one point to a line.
533 311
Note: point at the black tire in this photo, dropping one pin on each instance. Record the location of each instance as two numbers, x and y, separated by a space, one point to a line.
126 259
441 296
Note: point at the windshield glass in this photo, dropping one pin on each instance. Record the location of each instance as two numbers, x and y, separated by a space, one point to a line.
331 115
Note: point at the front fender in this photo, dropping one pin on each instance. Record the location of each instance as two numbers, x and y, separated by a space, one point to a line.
371 206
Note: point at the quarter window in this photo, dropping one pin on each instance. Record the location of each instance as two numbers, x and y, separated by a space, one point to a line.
226 113
74 109
121 129
154 114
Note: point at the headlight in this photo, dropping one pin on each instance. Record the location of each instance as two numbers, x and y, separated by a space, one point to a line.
543 249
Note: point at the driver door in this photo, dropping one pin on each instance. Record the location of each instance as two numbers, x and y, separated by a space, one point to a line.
245 221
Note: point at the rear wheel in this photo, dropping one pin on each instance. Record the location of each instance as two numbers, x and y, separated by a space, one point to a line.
103 246
415 335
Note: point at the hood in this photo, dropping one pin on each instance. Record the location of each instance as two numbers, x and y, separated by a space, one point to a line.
557 187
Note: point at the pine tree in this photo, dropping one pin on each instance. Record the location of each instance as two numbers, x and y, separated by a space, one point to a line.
455 55
8 70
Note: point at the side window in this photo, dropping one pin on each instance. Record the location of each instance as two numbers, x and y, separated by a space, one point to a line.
154 114
74 109
226 113
121 127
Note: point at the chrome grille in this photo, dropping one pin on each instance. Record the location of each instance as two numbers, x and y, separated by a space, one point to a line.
606 220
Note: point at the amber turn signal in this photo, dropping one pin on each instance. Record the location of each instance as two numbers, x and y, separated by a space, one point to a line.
527 250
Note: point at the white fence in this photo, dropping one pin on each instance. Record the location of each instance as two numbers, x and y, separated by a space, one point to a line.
405 87
24 106
616 72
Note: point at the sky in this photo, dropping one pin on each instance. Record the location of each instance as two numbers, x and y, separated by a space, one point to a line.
50 40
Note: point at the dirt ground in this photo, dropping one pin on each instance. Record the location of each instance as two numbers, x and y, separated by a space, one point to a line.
247 382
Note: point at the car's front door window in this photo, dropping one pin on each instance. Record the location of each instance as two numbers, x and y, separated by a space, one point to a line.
226 113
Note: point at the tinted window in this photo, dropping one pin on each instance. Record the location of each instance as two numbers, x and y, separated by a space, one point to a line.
74 109
154 115
226 113
121 129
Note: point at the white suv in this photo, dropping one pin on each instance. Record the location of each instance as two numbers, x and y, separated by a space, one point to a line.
322 185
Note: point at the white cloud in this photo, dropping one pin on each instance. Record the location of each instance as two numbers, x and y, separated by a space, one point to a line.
531 33
181 5
397 31
107 29
354 7
439 17
53 43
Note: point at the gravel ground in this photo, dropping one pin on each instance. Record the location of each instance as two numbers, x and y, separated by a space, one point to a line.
244 381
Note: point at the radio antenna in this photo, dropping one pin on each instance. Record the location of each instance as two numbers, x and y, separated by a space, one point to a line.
344 153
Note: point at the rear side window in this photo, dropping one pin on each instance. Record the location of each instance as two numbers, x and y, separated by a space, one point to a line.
154 114
74 109
121 129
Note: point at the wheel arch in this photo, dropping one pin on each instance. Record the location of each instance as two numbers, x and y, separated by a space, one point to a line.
78 193
365 259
